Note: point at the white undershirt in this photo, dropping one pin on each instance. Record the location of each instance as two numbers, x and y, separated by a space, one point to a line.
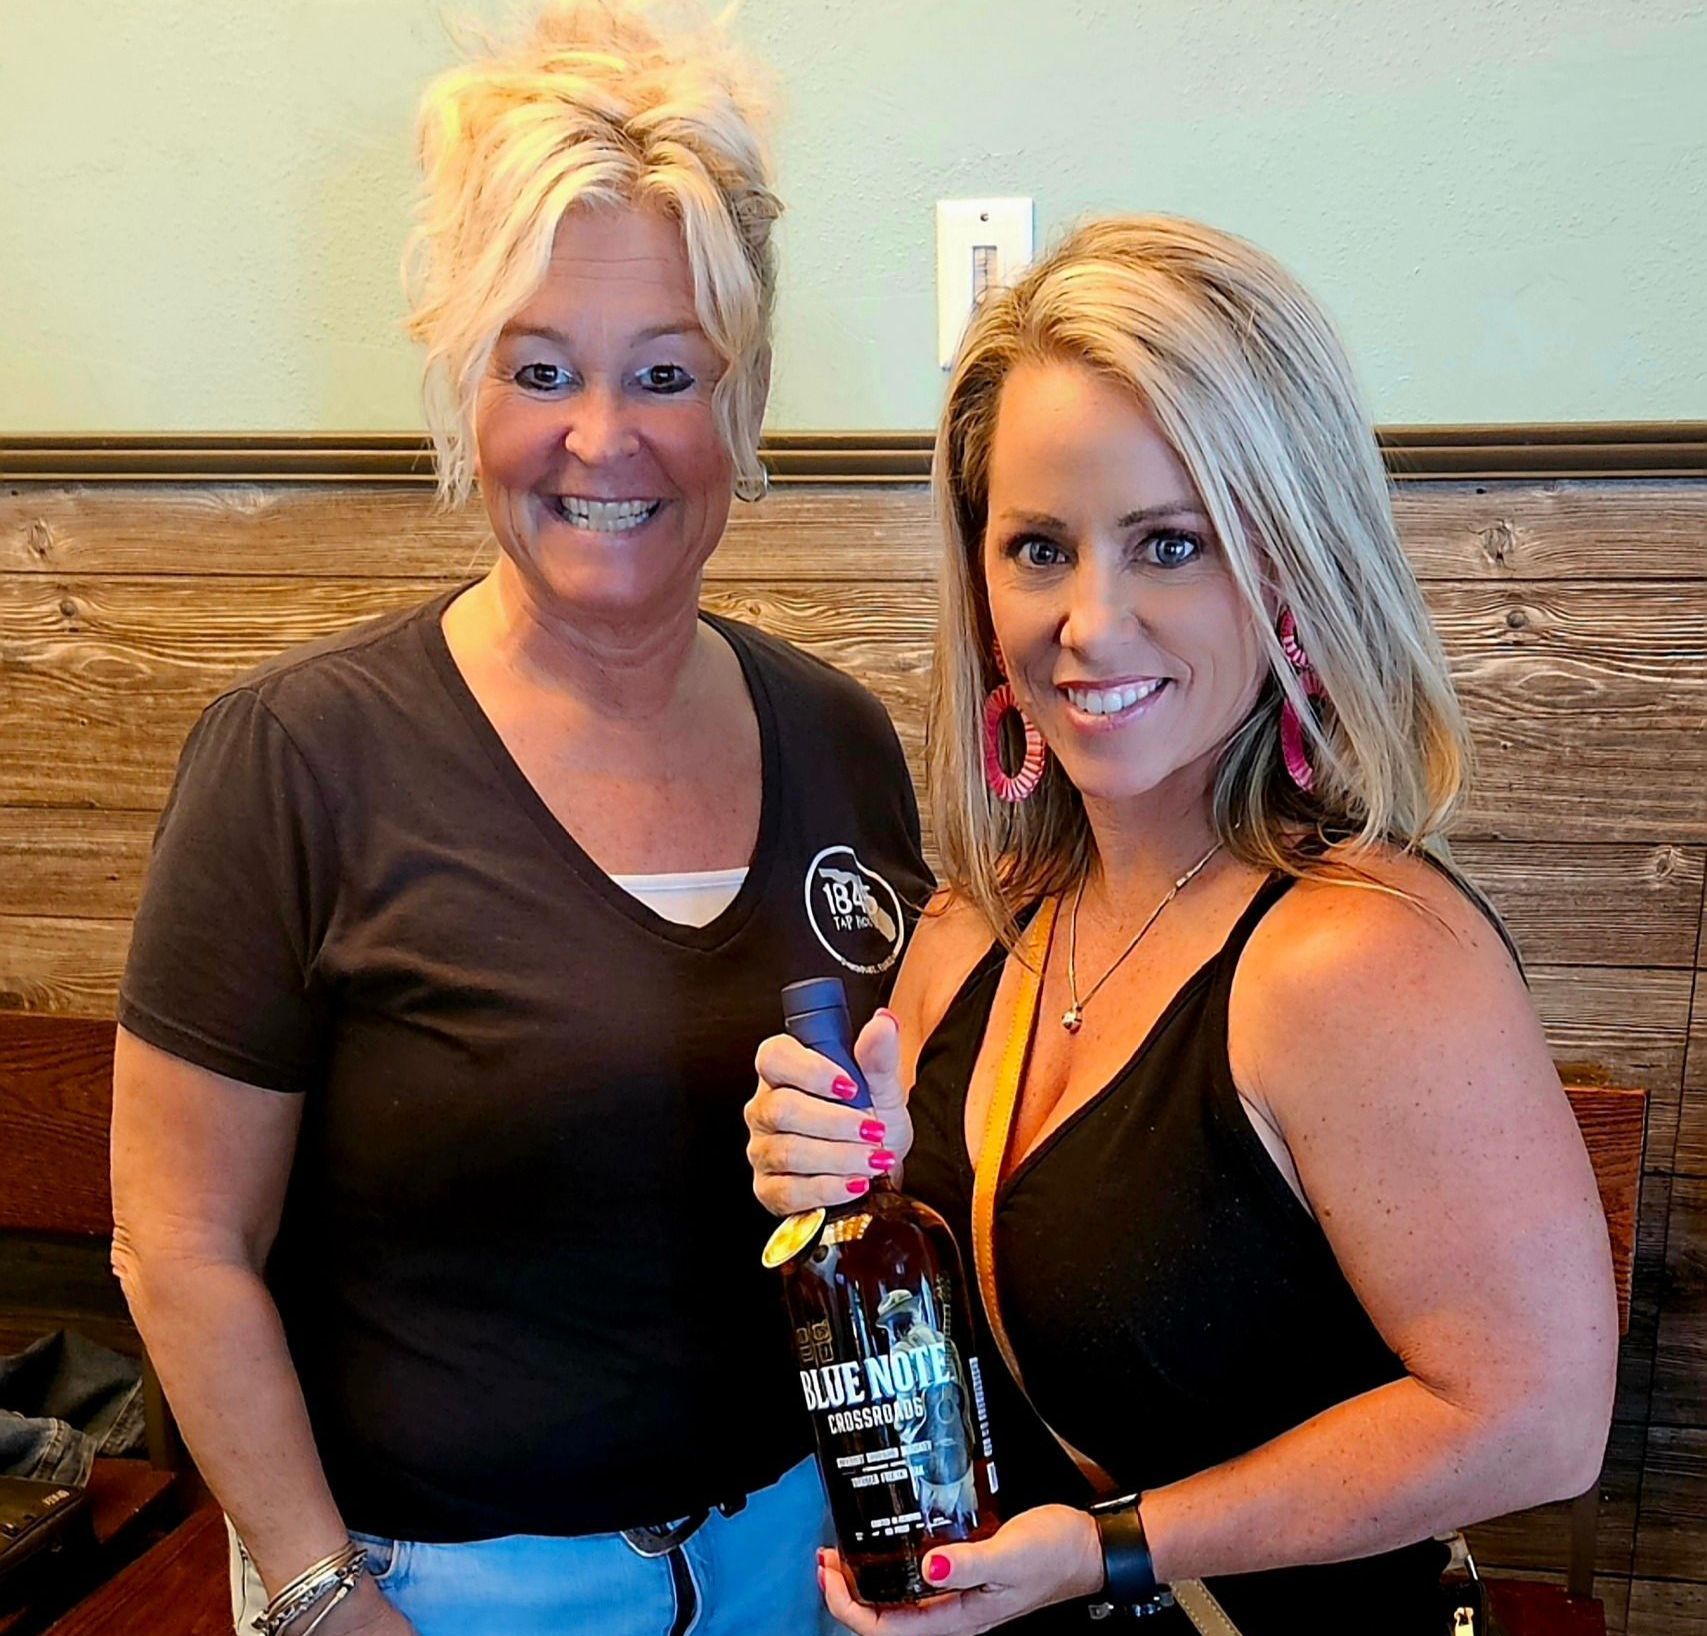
695 897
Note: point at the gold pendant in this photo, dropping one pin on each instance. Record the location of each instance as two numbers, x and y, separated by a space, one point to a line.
1072 1017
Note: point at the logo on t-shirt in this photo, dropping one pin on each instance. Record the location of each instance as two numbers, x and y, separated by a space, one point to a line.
854 911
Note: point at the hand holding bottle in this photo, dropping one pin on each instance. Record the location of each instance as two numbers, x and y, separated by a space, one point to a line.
807 1146
876 1299
1047 1555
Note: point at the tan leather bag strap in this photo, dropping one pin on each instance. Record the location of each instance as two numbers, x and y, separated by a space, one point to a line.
1033 957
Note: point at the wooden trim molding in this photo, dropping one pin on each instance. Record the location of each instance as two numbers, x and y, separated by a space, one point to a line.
1587 449
1629 449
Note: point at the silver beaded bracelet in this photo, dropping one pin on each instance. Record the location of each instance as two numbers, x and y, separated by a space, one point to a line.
329 1580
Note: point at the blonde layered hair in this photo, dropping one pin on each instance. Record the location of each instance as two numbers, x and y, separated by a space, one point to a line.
1246 379
599 105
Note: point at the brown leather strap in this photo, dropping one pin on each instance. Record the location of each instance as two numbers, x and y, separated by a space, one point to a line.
1033 957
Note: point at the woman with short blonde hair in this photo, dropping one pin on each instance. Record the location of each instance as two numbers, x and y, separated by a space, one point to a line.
461 925
1288 1237
596 108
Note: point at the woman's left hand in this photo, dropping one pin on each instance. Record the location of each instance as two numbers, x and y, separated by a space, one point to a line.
1043 1556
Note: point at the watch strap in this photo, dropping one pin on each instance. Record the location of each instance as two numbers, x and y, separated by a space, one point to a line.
1129 1576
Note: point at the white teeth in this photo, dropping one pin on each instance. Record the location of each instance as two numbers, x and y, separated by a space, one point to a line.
605 516
1110 701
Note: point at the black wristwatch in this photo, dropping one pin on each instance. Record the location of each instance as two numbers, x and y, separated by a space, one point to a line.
1129 1577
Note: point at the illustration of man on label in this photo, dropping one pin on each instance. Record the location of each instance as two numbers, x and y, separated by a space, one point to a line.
938 1443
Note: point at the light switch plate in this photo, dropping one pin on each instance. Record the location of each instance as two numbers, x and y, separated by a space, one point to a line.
980 243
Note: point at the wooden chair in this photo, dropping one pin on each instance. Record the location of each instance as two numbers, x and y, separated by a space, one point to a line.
1613 1122
56 1103
55 1197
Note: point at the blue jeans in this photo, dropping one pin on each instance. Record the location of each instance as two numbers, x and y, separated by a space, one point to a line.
752 1574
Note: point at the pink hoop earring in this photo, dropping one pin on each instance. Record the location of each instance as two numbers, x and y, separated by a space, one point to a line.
1292 745
1006 786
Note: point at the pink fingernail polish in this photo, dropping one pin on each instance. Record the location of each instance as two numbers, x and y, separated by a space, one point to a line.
844 1088
882 1160
937 1569
884 1011
857 1185
872 1131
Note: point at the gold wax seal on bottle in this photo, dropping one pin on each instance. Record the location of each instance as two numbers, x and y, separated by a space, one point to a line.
792 1235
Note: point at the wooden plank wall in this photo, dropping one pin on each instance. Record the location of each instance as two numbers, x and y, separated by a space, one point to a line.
1576 619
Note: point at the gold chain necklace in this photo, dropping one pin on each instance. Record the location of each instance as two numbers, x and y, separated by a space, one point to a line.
1073 1017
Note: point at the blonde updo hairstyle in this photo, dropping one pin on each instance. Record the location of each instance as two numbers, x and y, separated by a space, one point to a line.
599 105
1245 377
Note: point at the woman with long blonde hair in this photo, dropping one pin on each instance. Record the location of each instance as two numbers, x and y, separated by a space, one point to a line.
1229 1076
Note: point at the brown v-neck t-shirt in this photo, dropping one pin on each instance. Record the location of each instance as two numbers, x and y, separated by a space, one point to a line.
519 1260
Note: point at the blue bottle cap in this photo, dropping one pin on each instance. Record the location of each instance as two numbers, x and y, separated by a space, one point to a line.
813 994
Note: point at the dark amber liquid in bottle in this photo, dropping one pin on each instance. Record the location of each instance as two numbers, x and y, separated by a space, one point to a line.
883 1342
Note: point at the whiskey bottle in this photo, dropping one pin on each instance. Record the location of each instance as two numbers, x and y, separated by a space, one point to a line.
877 1302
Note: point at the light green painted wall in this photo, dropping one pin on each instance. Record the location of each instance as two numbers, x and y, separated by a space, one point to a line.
202 202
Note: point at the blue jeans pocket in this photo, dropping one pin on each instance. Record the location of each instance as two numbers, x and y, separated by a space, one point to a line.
387 1559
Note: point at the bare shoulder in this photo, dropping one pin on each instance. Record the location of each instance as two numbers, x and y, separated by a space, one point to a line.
1402 924
951 937
1385 1032
1398 970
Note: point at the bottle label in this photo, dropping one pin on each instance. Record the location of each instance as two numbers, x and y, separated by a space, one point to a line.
899 1418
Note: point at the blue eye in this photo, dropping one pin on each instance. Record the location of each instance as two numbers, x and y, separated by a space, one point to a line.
666 378
1036 552
541 377
1173 550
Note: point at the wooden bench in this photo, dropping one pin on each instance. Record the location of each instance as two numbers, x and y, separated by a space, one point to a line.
55 1109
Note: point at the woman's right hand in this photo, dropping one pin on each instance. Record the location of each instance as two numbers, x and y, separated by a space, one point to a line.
807 1147
365 1612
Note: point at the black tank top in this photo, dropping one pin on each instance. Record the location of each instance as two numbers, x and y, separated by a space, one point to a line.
1170 1301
